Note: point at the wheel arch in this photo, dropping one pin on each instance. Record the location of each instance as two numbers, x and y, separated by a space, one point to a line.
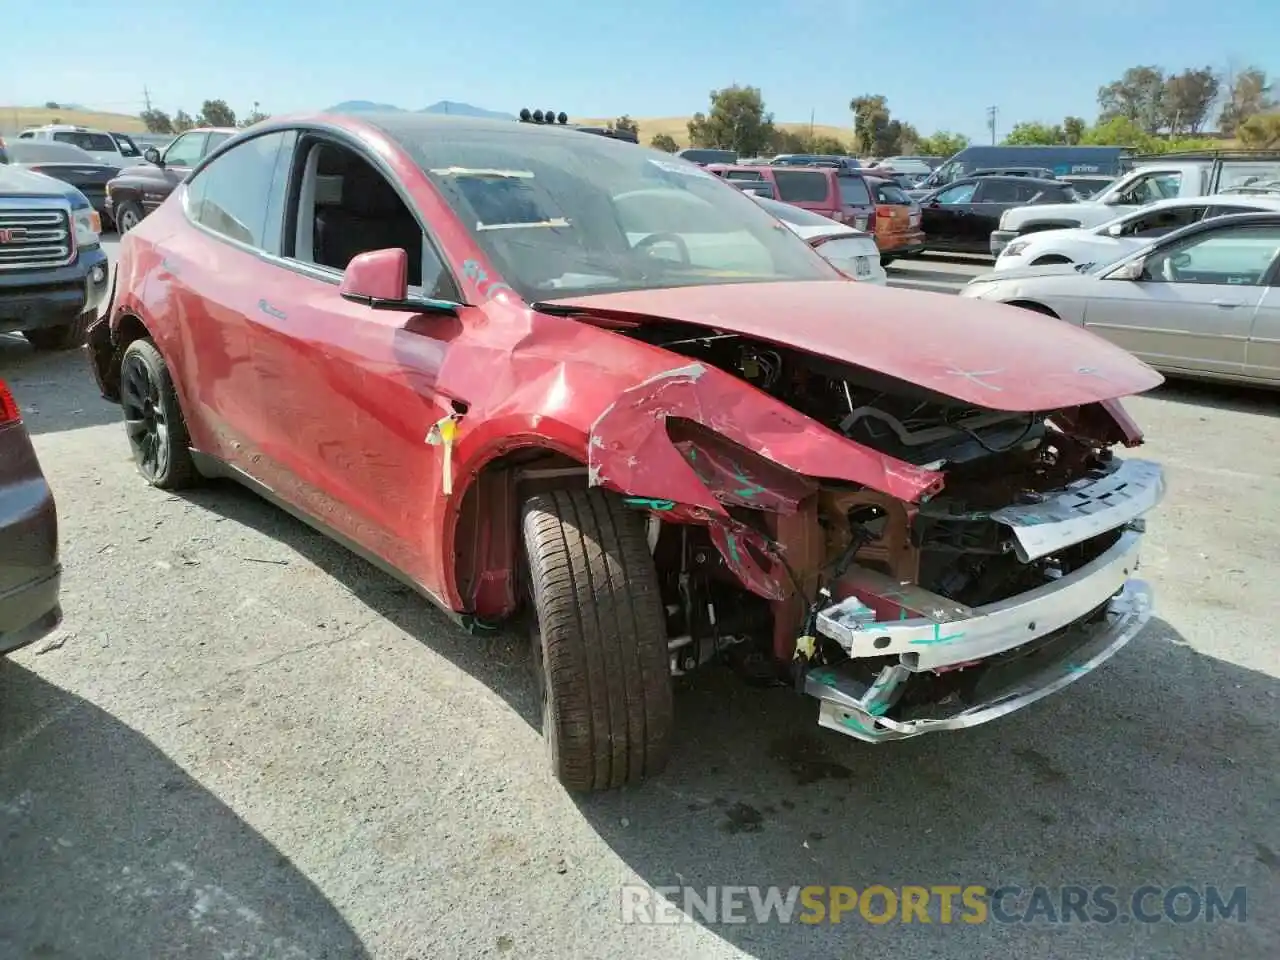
1035 307
482 530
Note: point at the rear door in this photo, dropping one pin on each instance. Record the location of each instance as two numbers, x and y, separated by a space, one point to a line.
217 276
807 188
1194 309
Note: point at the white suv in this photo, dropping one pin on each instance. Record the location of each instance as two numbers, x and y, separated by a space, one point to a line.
100 144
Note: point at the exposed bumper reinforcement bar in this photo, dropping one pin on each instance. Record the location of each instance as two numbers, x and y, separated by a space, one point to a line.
926 643
856 709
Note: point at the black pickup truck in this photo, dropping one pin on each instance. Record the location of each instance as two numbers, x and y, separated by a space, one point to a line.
53 270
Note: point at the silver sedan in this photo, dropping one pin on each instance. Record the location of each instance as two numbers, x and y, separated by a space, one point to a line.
1203 301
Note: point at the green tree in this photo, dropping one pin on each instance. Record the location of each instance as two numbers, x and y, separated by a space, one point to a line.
182 122
627 125
51 105
1073 129
943 143
1031 134
1248 93
1188 97
871 125
216 113
664 141
1261 131
157 121
737 121
1118 132
254 116
1137 96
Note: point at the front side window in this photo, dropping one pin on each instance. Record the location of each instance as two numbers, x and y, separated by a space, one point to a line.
1154 187
560 214
960 193
98 142
1239 256
186 151
232 196
1159 222
215 140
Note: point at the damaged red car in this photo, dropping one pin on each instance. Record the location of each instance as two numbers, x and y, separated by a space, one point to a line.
533 372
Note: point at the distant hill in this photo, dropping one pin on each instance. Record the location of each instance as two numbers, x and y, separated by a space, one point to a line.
678 128
451 108
13 119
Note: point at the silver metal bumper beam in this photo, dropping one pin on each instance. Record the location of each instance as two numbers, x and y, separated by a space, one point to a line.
856 710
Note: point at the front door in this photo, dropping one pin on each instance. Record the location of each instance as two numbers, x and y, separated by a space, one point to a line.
1194 309
347 393
945 215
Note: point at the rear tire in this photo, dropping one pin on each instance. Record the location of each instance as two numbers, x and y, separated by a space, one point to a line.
601 640
153 419
65 336
885 261
1035 308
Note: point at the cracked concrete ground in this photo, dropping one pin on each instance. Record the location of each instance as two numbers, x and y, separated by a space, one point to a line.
247 743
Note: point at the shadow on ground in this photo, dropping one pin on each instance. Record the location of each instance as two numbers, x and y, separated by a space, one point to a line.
55 390
109 850
1157 769
1233 397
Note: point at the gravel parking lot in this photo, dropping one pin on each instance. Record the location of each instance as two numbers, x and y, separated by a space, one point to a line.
247 743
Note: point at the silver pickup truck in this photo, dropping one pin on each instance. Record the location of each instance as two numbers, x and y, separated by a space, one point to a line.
1174 176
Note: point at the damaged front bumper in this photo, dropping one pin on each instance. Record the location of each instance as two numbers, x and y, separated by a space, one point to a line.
1022 648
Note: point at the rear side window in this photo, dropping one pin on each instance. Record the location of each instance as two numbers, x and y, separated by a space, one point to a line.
233 195
854 192
744 175
215 140
891 193
997 191
87 141
801 186
1222 210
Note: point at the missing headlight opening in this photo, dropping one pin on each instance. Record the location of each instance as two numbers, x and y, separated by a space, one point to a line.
901 609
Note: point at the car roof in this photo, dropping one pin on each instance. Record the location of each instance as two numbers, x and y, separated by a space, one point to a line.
1041 181
1210 200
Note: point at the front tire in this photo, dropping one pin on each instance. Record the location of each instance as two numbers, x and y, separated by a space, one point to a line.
153 419
885 261
127 215
601 640
65 336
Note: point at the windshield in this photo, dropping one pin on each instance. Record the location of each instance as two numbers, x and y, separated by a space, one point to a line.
561 214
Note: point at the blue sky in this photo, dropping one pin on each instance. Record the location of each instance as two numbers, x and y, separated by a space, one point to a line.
940 66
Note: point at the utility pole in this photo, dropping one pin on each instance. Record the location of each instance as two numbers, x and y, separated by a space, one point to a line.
146 98
992 113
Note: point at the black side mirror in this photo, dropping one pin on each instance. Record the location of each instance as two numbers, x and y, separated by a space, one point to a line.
152 155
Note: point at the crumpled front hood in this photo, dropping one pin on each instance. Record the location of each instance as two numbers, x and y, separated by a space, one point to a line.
986 354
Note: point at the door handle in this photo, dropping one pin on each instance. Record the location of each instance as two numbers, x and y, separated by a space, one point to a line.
1227 304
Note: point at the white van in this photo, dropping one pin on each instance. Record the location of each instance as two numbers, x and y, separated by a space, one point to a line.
100 144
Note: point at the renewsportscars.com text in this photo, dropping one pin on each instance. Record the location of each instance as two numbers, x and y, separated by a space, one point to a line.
941 904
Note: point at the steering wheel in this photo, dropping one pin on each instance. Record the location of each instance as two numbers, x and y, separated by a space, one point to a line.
682 248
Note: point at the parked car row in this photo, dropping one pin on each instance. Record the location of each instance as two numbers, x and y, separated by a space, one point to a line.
853 197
